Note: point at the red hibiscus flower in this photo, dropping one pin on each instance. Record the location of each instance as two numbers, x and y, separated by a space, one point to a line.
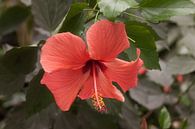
74 68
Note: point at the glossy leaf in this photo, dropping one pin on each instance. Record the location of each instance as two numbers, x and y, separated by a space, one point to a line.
49 13
66 120
9 21
95 120
38 96
164 119
164 9
113 106
145 40
131 52
42 120
20 60
16 119
75 19
10 82
130 118
113 8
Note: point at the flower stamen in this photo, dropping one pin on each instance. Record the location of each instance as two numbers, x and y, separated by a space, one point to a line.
98 103
97 100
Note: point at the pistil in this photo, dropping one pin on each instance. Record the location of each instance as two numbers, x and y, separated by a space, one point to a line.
97 100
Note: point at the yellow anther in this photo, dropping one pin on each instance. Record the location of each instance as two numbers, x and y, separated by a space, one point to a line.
98 103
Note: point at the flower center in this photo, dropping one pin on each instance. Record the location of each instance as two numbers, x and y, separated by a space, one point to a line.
97 100
93 63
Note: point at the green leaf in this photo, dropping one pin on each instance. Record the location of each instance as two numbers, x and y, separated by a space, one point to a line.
113 8
145 40
66 120
185 100
38 96
113 106
42 120
129 116
124 56
184 124
131 52
181 65
10 82
94 119
11 18
164 9
13 66
164 119
20 60
75 19
16 118
49 13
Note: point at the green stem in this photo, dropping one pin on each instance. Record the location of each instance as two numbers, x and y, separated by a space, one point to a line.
96 16
91 10
95 6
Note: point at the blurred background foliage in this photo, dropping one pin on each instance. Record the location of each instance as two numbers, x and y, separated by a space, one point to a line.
165 95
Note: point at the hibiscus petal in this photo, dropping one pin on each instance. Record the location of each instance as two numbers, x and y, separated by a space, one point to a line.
104 88
106 40
123 72
88 89
64 85
63 51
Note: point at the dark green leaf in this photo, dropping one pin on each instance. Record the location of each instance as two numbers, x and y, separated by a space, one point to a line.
113 8
113 106
66 120
145 40
164 119
129 118
124 56
11 18
131 52
38 96
10 82
184 124
91 119
164 9
49 13
15 119
43 120
20 60
75 19
185 100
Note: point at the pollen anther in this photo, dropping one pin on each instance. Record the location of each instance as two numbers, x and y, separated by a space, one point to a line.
98 103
